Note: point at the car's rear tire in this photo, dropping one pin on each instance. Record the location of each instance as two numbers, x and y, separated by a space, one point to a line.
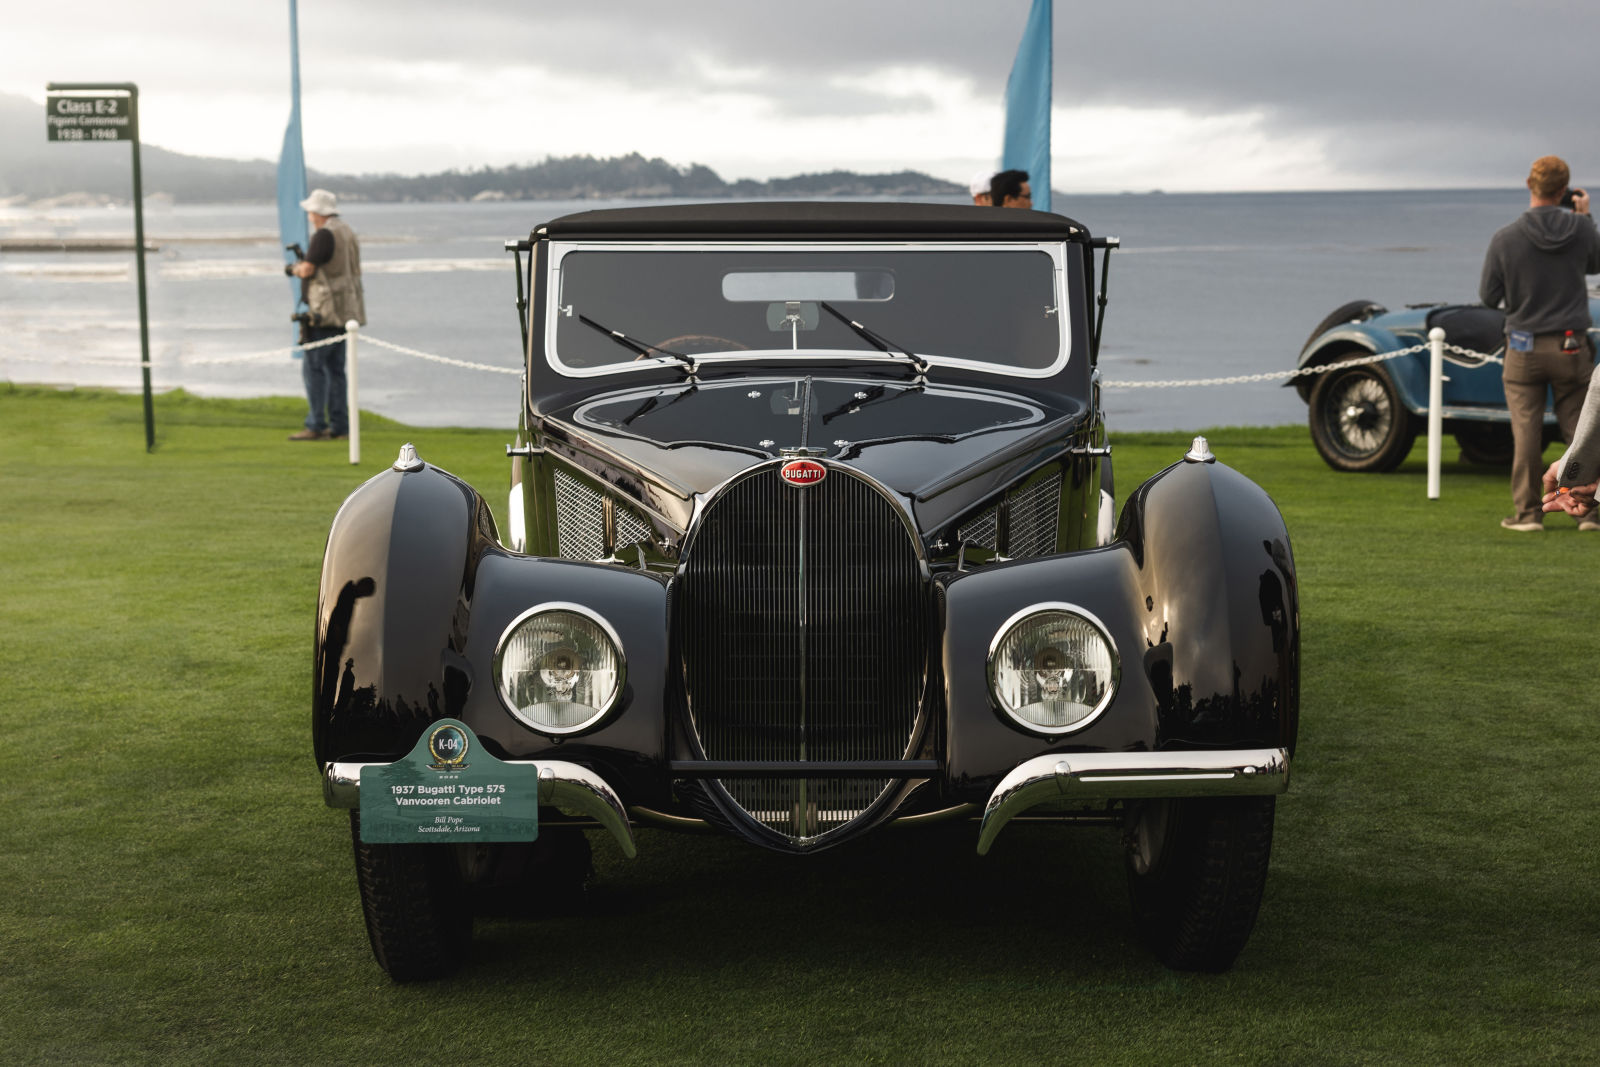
419 918
1358 422
1354 311
1197 868
1489 445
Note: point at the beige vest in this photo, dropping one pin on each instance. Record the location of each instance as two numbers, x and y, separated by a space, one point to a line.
334 293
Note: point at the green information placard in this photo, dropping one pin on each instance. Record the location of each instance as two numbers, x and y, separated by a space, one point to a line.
448 791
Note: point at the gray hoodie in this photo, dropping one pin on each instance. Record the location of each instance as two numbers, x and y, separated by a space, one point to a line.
1536 266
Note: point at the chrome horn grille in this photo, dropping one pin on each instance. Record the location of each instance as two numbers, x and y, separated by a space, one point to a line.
803 618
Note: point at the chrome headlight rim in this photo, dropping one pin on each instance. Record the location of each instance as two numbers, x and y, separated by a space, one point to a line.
1048 608
601 714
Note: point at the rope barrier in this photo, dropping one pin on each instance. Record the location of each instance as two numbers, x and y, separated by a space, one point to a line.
271 353
1302 372
1173 383
446 360
276 354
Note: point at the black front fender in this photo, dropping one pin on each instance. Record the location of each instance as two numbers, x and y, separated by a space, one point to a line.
416 593
1198 594
398 577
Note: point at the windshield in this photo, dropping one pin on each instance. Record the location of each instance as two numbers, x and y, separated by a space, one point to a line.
967 304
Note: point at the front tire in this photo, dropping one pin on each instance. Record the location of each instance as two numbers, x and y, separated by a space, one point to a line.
1197 868
419 919
1358 422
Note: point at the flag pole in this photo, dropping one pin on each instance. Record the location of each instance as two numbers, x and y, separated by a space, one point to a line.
292 226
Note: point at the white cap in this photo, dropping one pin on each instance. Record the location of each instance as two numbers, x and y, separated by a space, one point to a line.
320 202
979 182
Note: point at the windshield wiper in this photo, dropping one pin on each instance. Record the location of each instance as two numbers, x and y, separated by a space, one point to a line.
637 346
882 344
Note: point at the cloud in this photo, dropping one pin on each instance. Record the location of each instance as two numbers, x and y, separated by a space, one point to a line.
1182 95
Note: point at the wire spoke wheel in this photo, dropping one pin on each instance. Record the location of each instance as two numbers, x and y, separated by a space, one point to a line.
1358 422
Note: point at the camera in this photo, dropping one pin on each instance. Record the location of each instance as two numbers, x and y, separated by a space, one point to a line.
300 256
1568 198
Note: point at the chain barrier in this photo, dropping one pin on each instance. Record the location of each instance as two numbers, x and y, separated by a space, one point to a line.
271 353
1303 372
1175 383
277 353
368 339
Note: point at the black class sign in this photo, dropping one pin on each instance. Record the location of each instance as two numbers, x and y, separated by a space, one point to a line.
89 116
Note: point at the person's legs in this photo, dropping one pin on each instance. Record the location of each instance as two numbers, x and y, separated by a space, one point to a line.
338 391
314 374
1569 383
1525 400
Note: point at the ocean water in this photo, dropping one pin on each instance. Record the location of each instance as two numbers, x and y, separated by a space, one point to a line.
1205 285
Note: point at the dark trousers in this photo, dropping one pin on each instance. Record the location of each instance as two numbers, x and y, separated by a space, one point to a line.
326 391
1529 377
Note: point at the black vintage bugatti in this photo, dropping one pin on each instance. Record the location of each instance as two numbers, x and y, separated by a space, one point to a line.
810 531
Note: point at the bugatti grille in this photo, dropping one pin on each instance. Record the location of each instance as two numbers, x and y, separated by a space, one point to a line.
803 617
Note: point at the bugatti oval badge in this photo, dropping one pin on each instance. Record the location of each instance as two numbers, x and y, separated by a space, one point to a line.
802 472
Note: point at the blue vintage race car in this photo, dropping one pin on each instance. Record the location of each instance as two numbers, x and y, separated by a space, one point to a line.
1365 417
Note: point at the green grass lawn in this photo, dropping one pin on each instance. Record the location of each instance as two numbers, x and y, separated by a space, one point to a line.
175 891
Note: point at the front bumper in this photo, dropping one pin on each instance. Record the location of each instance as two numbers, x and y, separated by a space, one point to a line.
1132 776
1074 776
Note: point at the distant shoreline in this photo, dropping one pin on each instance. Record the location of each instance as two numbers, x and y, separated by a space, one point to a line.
89 200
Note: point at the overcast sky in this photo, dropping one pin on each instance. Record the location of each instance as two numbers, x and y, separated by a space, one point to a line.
1168 94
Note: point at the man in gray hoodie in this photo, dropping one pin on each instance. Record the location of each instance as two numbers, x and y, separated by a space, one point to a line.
1536 266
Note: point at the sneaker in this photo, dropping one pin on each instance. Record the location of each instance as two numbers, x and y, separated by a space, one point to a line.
1589 525
340 437
309 435
1528 526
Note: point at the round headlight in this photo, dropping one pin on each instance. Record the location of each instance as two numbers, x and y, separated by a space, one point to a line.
1052 668
559 668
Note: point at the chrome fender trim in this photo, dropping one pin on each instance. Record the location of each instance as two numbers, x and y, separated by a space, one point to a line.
1132 775
561 785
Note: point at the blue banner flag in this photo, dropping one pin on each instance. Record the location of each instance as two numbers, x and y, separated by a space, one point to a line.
293 227
1027 144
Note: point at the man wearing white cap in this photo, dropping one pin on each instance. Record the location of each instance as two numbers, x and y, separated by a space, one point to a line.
979 188
331 279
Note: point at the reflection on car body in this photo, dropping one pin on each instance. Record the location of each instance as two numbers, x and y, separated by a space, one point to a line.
768 573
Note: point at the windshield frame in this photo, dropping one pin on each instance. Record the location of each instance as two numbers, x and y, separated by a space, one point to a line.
558 250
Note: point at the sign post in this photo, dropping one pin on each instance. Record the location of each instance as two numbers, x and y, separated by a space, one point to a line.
87 112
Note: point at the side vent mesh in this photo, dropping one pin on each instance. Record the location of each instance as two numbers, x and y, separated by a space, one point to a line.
580 521
1032 515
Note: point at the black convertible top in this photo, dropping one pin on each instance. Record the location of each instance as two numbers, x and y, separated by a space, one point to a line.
855 219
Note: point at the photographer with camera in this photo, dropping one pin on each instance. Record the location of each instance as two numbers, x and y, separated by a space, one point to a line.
330 273
1536 267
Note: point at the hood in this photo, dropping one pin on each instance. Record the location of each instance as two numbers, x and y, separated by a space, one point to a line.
1551 228
941 447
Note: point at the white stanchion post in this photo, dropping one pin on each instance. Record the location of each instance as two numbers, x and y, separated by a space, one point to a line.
1435 409
352 393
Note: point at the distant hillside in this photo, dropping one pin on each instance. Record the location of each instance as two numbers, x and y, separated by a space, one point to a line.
32 168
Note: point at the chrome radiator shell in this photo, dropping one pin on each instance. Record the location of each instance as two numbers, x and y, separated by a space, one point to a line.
802 616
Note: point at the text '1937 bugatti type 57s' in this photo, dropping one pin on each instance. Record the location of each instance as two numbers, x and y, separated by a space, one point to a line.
810 535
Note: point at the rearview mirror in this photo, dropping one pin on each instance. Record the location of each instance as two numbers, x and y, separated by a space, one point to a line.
803 285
